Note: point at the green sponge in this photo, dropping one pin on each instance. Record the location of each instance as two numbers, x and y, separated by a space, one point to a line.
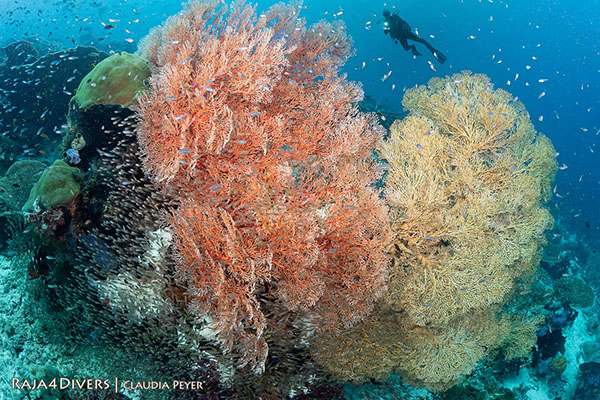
117 79
58 186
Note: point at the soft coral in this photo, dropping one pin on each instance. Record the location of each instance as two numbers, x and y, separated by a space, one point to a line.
248 123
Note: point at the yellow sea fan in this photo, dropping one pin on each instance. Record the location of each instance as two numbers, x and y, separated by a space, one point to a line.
466 188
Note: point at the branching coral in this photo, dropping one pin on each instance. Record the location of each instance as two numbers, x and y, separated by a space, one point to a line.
249 125
467 181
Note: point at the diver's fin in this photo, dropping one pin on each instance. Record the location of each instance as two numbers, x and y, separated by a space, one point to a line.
436 53
439 56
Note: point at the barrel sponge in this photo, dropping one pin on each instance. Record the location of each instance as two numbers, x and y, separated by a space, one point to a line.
58 186
117 79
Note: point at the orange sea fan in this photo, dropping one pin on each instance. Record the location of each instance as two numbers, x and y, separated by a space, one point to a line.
248 123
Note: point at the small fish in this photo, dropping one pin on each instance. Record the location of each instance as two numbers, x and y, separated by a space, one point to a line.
419 146
109 26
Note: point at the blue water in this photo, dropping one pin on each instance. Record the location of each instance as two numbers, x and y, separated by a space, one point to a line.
545 52
549 40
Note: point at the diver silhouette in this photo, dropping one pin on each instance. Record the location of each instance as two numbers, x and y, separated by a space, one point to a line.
400 31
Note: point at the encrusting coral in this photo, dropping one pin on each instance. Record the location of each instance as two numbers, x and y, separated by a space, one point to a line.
467 180
249 125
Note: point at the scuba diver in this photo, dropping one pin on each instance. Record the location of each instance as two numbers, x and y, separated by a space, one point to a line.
400 31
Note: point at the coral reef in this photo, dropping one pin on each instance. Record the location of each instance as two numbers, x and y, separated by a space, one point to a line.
467 180
249 124
588 382
90 131
468 392
574 292
117 79
522 336
52 202
19 53
35 97
58 186
17 183
225 223
15 187
558 365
